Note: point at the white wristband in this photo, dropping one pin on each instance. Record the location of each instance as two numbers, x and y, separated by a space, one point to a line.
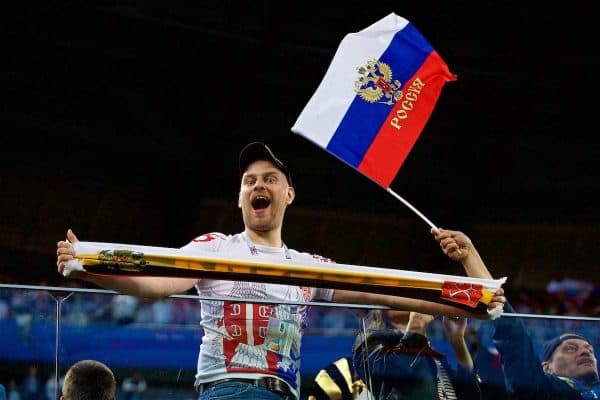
72 265
495 312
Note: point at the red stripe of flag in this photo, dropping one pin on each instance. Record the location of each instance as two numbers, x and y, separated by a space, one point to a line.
391 145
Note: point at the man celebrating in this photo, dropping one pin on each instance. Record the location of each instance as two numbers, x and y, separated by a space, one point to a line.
251 350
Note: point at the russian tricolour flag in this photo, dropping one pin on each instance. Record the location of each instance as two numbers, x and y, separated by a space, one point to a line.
376 97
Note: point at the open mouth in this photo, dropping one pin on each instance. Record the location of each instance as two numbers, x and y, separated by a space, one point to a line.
260 203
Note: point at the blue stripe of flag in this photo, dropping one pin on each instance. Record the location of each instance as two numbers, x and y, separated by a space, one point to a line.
407 51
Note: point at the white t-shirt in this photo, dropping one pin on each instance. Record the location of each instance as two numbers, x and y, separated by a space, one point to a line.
243 340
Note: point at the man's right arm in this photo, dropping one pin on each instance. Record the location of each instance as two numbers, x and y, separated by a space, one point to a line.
140 286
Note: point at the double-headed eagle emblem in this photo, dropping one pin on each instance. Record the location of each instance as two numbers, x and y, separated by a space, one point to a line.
375 83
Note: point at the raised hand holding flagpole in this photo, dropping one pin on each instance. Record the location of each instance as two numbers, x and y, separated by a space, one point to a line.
375 100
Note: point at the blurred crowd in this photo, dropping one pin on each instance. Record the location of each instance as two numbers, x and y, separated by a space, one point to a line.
564 297
26 307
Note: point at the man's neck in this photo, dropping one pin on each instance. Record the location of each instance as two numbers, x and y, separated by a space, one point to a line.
270 238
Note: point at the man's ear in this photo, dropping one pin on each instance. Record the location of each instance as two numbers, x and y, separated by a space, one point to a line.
546 367
240 200
291 195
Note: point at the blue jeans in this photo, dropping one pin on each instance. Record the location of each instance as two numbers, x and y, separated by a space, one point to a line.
240 390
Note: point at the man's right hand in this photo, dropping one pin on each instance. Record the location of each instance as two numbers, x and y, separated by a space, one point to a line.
65 251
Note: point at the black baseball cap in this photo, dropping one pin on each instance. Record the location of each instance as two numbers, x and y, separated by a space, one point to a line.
550 346
259 151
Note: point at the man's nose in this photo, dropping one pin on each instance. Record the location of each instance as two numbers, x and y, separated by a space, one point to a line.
586 352
259 184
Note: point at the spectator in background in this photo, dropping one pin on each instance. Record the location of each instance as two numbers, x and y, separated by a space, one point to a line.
144 313
333 322
75 313
161 311
31 387
21 306
89 380
124 309
52 387
133 386
399 362
13 391
571 293
4 309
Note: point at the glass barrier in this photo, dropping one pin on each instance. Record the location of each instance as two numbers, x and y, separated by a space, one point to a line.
152 345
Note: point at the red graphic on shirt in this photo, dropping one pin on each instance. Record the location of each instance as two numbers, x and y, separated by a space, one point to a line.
205 238
463 293
249 330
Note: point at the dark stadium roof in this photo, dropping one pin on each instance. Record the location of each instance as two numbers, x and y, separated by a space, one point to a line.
126 116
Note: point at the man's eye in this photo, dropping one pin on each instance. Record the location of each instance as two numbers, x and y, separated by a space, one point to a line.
271 179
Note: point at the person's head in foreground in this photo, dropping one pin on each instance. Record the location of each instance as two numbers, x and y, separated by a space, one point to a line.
266 188
572 356
89 380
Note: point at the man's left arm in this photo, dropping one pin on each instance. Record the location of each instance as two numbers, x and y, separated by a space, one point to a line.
458 247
